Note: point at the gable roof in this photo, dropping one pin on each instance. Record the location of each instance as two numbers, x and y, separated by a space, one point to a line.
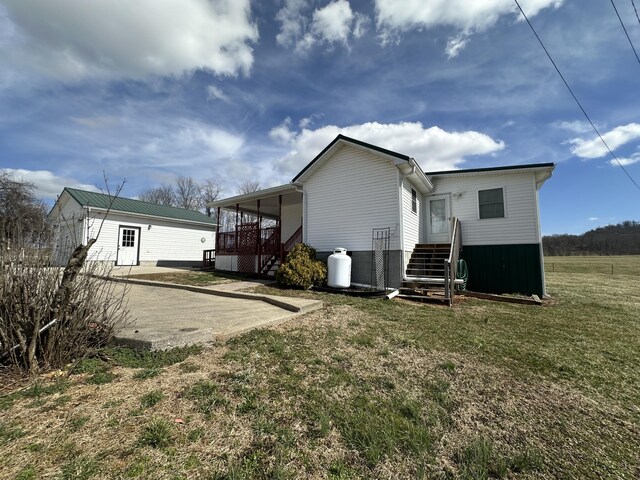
360 143
407 165
136 207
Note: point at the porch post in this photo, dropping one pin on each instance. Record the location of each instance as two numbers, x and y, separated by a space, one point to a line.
259 259
236 235
217 245
279 238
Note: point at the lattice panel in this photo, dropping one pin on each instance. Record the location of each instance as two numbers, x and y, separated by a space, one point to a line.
247 247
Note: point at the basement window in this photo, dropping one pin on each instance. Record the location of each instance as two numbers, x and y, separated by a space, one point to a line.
414 201
491 203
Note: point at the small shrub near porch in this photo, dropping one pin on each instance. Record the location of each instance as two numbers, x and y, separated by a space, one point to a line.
301 269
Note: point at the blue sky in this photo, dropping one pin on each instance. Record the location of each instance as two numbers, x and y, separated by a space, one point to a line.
246 90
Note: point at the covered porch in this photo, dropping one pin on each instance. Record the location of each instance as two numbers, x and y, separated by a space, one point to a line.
256 230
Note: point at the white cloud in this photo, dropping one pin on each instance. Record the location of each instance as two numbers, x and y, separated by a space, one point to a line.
71 39
47 184
435 149
215 93
575 126
360 24
283 133
334 23
594 148
292 22
593 219
464 15
635 158
455 45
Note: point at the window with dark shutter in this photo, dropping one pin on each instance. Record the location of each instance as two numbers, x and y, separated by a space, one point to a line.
414 201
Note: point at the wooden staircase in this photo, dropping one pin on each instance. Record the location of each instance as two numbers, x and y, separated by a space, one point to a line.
431 272
425 273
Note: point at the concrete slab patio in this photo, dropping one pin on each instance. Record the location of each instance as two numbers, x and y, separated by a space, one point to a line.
167 316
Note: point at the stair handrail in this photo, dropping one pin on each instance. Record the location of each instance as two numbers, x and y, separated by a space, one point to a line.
269 247
451 263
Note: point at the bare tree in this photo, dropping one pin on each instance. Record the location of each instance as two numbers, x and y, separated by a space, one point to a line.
248 187
162 195
187 193
22 215
210 191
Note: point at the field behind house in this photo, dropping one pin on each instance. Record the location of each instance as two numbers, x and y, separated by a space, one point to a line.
607 265
362 388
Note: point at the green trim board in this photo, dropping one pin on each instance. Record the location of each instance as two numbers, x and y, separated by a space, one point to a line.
504 268
129 205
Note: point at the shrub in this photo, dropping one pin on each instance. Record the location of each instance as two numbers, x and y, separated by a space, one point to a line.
301 269
50 316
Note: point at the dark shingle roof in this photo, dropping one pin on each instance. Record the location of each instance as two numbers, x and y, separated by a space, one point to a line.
128 205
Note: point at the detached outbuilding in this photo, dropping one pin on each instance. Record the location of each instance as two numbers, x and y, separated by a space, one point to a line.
131 232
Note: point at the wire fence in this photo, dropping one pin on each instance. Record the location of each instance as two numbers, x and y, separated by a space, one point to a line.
606 268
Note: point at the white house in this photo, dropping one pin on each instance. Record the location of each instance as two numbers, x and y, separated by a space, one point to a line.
132 232
487 216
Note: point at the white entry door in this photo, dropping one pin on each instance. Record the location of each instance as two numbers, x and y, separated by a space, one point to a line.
438 219
128 240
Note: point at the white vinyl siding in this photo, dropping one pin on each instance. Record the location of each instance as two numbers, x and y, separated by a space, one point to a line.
164 241
291 220
68 228
411 225
352 193
520 222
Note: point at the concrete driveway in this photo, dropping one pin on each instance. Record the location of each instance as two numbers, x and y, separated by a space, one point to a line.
172 316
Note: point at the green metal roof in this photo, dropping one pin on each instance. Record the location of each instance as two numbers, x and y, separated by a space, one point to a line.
128 205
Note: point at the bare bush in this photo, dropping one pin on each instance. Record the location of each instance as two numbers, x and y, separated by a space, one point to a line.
50 316
45 322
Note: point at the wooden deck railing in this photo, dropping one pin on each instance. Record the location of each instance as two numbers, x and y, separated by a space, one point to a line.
291 241
451 263
269 245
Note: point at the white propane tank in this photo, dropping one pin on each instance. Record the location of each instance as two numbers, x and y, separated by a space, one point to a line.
339 269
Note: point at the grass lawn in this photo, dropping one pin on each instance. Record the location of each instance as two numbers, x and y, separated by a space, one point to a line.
362 388
618 264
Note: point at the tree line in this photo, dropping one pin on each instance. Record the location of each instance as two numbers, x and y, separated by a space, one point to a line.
186 192
620 239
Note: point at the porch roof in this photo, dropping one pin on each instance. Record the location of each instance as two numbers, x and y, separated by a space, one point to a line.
268 197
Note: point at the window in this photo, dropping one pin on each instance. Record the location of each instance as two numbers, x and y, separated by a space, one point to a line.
491 203
414 201
128 238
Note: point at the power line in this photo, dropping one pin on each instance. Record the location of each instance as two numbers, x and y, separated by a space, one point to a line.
625 31
574 96
636 10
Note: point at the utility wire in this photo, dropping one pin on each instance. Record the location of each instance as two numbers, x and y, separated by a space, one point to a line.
574 96
625 31
636 10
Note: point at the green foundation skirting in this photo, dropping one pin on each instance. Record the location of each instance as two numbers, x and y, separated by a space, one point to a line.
504 268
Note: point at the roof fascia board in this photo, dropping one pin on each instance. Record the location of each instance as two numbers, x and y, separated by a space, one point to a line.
155 217
259 194
506 169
